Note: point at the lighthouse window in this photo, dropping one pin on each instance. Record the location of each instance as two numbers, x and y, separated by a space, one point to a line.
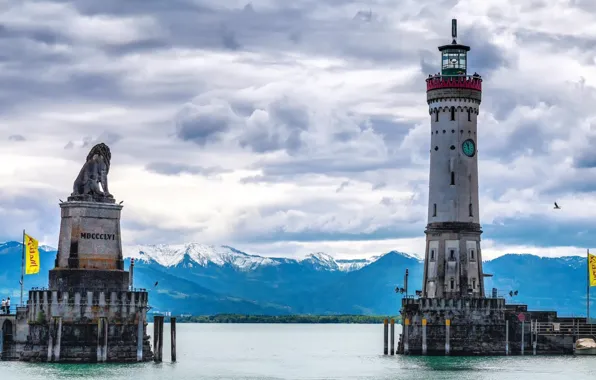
452 113
470 210
472 255
435 209
432 255
452 284
473 283
469 116
437 116
452 147
453 178
451 254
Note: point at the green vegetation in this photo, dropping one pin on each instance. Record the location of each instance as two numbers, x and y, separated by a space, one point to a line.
240 318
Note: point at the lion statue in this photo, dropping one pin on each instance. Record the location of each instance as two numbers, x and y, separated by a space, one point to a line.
93 173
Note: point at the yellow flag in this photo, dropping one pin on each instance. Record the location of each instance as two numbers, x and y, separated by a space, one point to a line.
592 269
31 255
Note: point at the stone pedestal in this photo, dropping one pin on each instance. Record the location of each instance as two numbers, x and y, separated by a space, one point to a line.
89 250
89 314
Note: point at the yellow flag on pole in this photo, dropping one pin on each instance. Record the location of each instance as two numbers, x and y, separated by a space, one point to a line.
592 269
31 255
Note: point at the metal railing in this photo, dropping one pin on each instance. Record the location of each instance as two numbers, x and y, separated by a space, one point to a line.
577 328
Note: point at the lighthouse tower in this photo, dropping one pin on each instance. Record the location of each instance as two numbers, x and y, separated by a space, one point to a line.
453 260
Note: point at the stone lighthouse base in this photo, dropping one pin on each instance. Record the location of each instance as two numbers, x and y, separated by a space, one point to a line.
483 327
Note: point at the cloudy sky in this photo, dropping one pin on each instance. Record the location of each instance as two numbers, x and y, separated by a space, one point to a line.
286 127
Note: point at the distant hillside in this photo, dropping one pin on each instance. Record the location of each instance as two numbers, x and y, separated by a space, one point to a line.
205 280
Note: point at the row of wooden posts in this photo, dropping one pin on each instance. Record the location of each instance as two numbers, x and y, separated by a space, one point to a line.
158 338
386 323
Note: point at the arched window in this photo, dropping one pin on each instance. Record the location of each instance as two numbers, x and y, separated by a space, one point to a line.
453 178
469 115
437 115
452 113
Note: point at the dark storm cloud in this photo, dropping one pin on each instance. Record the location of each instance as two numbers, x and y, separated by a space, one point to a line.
330 166
146 232
30 209
208 25
108 138
316 235
342 186
16 138
167 168
542 231
485 56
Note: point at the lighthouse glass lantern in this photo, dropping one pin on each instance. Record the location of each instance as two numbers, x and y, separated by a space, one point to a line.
454 56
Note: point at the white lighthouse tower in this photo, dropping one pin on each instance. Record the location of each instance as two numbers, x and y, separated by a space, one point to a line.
453 260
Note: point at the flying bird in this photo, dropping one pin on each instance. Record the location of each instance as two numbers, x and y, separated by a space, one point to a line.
155 284
557 206
121 202
61 201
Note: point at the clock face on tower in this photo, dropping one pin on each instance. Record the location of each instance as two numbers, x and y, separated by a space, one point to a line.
469 147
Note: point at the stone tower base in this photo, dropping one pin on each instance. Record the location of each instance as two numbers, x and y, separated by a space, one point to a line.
481 326
453 327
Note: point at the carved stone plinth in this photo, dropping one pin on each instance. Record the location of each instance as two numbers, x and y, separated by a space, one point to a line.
89 250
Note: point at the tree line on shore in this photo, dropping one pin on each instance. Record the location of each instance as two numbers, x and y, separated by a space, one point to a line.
241 318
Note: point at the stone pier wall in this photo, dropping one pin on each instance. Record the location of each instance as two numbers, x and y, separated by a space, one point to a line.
485 327
476 327
72 326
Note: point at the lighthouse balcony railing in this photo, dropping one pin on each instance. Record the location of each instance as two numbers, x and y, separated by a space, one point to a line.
471 82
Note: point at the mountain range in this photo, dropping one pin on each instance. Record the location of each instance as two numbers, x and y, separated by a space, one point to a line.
203 280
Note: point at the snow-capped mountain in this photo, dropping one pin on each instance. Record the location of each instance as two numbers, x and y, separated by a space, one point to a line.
188 255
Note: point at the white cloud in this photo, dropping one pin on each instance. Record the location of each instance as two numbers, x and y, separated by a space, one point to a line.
237 125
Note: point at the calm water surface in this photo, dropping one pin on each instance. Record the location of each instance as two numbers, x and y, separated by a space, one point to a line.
283 351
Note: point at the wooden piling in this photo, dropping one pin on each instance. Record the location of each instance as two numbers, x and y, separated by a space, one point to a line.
158 338
161 319
385 336
155 337
173 337
392 349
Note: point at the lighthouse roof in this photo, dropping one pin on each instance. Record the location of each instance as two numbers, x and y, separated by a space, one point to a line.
454 46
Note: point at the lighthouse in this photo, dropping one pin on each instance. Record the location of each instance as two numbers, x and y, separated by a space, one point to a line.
453 260
452 315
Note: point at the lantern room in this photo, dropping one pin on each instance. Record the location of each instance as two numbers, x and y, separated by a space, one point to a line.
454 56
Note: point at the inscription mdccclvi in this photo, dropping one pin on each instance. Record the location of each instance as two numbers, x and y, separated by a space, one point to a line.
96 236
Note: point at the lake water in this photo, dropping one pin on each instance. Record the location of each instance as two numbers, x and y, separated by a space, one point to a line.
284 351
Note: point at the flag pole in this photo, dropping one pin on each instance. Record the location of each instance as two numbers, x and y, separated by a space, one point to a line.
588 287
22 267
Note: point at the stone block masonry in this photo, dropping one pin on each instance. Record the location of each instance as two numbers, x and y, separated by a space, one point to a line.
90 236
483 327
89 326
